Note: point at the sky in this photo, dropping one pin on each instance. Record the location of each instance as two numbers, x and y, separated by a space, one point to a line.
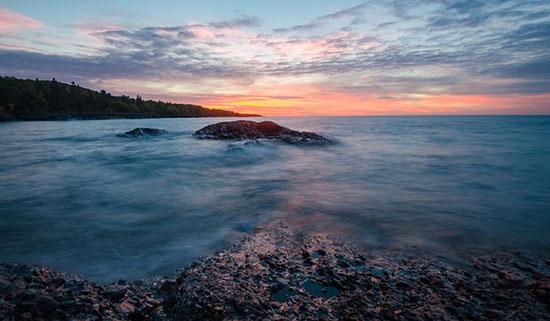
292 58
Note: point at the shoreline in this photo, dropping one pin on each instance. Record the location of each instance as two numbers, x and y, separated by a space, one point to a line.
276 273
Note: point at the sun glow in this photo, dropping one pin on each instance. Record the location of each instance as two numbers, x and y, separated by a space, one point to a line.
333 104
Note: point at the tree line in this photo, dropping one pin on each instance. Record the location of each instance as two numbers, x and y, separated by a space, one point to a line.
26 99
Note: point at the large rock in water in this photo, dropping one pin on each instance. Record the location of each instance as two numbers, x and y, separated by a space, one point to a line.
138 132
245 130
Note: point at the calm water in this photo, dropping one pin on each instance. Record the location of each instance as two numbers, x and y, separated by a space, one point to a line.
75 196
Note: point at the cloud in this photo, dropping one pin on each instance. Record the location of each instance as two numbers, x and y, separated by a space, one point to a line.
375 49
349 12
355 12
240 22
536 69
11 21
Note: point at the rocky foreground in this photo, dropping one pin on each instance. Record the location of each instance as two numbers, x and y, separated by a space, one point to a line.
276 274
38 293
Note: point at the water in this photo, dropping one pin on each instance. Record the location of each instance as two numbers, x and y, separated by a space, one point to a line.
75 196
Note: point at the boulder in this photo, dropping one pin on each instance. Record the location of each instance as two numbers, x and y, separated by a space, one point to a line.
247 130
139 132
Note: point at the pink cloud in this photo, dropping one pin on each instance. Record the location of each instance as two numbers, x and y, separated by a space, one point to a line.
201 31
329 45
90 28
11 21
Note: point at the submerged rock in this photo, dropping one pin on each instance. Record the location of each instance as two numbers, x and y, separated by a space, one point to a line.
138 132
246 130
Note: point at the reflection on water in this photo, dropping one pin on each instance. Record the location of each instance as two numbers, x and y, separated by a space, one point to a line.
75 196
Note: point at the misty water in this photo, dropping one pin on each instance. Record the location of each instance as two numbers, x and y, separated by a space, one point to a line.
76 197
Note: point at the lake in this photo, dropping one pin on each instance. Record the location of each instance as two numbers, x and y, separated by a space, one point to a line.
75 196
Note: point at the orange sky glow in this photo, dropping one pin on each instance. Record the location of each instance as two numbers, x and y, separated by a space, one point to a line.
338 104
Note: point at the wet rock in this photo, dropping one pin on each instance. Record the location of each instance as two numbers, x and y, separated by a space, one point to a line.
115 293
140 132
495 314
46 304
316 289
250 130
282 293
126 307
35 293
265 277
18 286
276 275
4 284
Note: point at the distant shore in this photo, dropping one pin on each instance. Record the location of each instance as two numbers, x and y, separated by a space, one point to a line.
112 117
276 274
26 99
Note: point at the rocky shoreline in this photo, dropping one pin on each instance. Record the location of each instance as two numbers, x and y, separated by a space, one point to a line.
39 293
279 274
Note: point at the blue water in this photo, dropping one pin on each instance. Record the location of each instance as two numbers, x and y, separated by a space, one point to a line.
75 196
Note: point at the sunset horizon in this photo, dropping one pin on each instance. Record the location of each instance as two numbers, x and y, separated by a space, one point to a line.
325 59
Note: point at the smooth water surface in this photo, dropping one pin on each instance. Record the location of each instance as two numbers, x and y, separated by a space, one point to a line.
75 196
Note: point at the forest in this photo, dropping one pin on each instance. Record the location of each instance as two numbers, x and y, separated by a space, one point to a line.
27 99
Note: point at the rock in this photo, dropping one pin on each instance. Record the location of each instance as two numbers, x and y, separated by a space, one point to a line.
495 314
140 132
250 130
126 307
264 277
18 286
4 284
45 304
115 293
158 314
32 293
